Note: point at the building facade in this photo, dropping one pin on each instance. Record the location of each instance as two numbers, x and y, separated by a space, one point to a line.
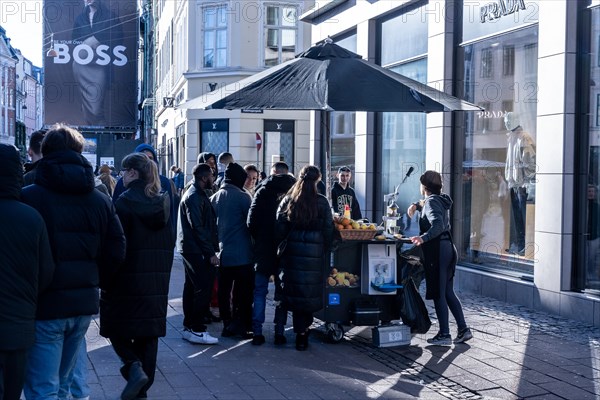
201 46
524 174
28 101
8 64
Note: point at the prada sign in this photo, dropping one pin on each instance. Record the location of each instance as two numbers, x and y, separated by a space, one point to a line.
501 8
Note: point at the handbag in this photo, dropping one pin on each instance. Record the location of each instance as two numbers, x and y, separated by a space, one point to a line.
283 244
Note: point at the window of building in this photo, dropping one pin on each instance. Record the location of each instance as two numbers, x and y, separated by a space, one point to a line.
497 189
508 61
598 109
215 36
403 134
403 146
411 43
278 143
588 277
342 125
214 136
486 67
281 27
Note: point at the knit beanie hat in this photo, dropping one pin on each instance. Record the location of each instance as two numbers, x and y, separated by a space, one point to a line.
235 175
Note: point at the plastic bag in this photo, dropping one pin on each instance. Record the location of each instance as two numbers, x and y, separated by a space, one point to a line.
281 248
412 308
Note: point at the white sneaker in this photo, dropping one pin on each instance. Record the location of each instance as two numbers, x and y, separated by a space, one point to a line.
199 337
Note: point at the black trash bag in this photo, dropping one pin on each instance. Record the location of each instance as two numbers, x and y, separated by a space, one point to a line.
412 308
410 265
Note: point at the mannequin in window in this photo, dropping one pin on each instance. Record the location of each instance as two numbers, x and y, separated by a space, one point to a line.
519 174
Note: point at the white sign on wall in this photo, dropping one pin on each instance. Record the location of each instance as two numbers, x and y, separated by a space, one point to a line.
110 161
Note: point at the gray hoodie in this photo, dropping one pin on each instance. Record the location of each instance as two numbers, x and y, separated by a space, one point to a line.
435 216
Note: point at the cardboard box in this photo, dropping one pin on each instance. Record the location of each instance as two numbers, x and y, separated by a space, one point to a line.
391 335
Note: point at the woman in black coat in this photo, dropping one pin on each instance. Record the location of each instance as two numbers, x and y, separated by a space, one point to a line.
133 307
305 222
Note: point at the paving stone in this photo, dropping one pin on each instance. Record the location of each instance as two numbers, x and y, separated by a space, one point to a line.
521 387
568 391
515 351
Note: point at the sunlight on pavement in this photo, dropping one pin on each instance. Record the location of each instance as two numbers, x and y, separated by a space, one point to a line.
199 353
243 342
377 389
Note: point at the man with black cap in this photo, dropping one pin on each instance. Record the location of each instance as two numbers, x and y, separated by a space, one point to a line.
231 204
26 270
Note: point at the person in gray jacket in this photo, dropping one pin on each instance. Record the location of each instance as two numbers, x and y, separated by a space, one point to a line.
439 257
231 204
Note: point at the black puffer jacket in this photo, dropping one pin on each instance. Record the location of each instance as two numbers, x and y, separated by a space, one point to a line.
306 256
86 237
197 224
25 257
134 303
261 221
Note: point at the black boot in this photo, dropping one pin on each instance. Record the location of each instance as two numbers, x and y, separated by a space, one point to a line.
301 341
135 383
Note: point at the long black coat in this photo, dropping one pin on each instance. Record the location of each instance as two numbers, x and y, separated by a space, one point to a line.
134 303
305 259
261 221
85 234
26 264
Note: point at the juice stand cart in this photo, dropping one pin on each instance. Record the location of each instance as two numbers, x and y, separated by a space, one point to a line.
361 289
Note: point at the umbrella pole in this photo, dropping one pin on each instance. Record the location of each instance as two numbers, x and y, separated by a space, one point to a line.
326 137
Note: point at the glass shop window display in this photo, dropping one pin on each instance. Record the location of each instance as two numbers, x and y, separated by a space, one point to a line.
499 151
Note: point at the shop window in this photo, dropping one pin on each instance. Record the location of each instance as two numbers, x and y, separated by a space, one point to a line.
278 144
214 136
498 168
402 147
342 125
598 109
589 275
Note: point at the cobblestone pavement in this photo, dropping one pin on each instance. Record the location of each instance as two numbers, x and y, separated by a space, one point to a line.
515 353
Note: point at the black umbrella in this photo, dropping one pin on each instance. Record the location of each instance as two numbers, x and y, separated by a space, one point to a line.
328 77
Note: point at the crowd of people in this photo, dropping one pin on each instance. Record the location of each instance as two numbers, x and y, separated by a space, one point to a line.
76 250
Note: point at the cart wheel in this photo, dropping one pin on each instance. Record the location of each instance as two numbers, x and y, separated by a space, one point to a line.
335 332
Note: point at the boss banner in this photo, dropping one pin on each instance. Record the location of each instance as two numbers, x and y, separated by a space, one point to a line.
90 62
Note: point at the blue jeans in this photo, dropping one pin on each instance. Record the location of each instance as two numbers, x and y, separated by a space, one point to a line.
53 356
79 386
261 288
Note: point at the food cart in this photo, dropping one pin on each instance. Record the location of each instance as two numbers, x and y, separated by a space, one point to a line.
362 287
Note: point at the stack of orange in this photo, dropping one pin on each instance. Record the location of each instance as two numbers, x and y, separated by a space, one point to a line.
342 223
